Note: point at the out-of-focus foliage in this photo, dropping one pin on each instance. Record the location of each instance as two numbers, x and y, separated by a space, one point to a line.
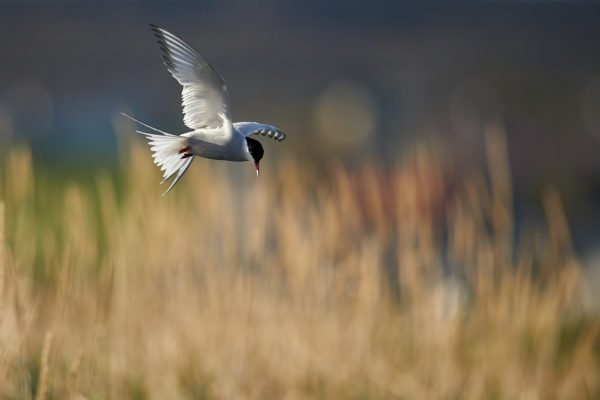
334 283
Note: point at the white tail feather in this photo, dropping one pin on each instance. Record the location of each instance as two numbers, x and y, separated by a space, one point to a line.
166 149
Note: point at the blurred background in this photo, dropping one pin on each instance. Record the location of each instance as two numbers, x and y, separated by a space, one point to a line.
412 237
405 72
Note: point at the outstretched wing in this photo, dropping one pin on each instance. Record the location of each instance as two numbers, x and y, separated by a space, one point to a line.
205 94
249 128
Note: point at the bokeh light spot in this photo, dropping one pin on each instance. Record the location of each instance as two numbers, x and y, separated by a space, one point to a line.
346 115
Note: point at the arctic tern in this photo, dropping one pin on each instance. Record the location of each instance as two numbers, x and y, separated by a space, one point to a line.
206 111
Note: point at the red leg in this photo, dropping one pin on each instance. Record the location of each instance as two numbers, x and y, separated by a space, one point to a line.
186 148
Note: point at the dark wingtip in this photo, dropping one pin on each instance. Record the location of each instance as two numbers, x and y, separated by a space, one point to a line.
159 38
157 30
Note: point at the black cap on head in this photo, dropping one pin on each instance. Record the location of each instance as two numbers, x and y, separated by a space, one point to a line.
255 149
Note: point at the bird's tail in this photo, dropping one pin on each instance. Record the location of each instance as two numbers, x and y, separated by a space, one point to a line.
168 151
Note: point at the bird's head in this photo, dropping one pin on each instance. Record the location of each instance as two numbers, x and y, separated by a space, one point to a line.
256 152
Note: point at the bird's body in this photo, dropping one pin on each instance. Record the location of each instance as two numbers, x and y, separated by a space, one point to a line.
214 145
206 112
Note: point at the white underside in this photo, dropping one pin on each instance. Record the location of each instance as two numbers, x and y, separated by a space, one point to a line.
213 144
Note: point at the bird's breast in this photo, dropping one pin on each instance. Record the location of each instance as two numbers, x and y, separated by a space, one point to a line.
217 147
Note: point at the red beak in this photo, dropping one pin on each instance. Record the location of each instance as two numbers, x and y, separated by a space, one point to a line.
257 168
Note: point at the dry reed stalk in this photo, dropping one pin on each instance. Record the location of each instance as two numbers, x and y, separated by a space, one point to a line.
558 227
42 389
501 212
72 379
336 292
2 254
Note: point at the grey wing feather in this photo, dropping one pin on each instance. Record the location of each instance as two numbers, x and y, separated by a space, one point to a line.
205 94
249 128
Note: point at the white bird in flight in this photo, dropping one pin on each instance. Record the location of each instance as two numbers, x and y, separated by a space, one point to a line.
206 112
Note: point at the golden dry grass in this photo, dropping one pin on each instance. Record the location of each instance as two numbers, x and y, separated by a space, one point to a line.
367 284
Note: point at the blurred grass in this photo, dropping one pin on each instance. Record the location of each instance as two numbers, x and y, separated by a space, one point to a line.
375 283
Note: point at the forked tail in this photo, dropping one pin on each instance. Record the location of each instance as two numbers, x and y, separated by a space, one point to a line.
168 152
